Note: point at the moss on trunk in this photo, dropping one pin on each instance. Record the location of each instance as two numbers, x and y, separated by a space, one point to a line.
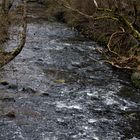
3 28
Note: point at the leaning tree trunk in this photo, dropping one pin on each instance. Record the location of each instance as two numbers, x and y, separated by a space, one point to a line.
11 55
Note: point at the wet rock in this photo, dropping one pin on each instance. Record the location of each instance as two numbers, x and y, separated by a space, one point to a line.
10 114
92 120
70 67
90 69
28 90
7 99
40 60
45 94
93 98
5 83
76 64
62 122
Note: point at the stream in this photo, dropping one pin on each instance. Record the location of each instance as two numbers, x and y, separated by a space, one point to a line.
57 91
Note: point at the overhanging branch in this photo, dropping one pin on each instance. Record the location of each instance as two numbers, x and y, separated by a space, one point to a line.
113 15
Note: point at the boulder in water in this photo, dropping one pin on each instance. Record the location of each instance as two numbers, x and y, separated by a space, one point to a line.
135 77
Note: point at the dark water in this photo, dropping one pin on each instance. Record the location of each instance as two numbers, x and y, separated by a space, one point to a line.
58 93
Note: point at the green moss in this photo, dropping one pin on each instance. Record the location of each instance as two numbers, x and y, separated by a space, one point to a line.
135 77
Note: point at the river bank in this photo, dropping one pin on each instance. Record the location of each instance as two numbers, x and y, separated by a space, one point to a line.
114 35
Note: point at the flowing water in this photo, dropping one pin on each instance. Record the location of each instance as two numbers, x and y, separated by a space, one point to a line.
58 92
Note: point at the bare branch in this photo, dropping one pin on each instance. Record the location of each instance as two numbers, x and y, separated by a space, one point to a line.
113 15
106 17
96 4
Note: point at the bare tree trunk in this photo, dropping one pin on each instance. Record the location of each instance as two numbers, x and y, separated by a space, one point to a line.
10 56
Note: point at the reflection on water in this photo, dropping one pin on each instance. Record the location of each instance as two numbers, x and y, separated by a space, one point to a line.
61 94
